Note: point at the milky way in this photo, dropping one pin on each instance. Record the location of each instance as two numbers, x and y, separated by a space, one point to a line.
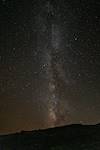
53 68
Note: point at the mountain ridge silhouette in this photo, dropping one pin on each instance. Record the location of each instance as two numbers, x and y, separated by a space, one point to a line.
71 137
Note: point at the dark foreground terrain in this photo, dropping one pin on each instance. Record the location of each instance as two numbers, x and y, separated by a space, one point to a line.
73 137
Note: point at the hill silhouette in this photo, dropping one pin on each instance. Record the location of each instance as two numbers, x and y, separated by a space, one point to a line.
71 137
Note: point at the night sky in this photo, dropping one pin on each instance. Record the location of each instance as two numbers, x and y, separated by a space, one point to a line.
49 63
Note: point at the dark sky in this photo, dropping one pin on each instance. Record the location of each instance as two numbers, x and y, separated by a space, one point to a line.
49 63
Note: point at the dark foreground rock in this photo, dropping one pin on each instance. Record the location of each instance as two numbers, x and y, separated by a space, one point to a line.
73 137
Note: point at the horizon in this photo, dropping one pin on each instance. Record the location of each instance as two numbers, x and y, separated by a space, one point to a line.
45 129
